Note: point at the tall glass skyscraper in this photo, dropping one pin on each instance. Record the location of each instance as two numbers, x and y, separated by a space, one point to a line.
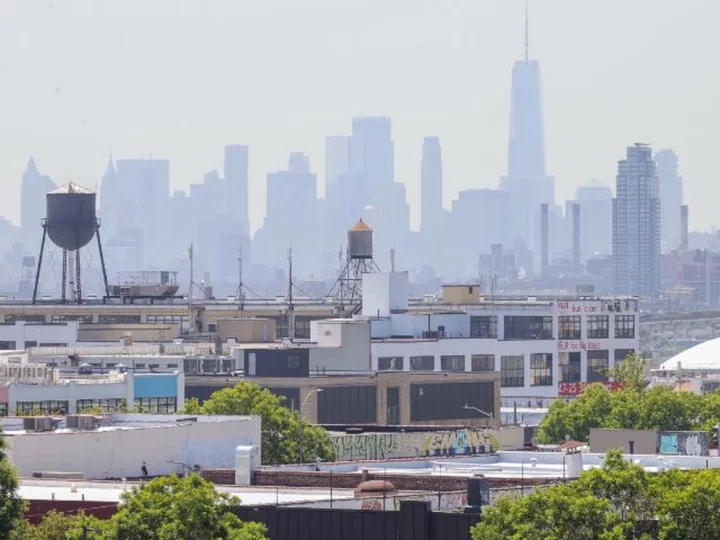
636 224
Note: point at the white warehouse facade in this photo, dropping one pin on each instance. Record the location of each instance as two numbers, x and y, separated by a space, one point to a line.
544 348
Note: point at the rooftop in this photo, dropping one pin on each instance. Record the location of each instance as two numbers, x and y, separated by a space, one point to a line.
111 492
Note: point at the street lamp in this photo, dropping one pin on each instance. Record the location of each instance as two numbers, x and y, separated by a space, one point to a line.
300 414
471 408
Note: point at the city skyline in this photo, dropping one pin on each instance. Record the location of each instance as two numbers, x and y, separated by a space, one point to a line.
198 138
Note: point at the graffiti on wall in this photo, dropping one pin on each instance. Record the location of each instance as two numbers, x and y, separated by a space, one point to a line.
684 443
369 446
458 443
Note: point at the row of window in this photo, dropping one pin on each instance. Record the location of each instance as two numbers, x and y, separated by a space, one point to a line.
163 405
541 327
167 319
512 367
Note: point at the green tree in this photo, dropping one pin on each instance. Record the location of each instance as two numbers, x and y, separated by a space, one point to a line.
625 485
282 430
692 511
170 508
665 409
58 526
12 507
557 513
574 419
632 372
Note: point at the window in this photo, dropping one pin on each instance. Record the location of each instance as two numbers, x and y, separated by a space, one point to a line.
597 366
294 361
597 327
569 327
512 371
483 327
29 343
625 326
106 405
569 364
422 363
41 407
157 405
452 363
119 319
622 354
482 362
525 327
541 369
390 363
3 409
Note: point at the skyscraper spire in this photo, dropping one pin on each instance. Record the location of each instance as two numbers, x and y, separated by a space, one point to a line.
527 33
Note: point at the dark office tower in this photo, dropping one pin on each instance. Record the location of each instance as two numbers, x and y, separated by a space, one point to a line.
431 188
371 155
576 238
684 245
636 224
236 176
671 198
337 154
526 179
544 239
32 203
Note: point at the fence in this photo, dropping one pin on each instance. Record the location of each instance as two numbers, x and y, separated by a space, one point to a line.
414 521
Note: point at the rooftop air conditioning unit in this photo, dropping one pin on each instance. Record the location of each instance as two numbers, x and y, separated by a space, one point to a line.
38 423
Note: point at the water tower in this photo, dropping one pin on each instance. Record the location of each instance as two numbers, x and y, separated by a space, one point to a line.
347 290
71 223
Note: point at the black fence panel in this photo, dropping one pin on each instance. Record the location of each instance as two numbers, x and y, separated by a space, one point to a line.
414 521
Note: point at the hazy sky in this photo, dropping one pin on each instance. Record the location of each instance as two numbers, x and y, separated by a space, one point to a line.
182 78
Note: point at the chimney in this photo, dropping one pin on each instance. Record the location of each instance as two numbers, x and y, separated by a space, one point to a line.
544 238
576 238
684 245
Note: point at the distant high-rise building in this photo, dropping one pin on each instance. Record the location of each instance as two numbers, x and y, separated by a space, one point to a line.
236 176
337 155
671 198
32 204
684 228
291 219
526 179
431 187
595 200
372 154
636 224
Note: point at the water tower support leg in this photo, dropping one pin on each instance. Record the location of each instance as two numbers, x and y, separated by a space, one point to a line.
37 274
64 276
77 276
102 263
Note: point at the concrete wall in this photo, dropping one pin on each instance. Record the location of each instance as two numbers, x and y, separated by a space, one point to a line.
342 345
119 453
246 330
23 333
426 443
684 443
602 440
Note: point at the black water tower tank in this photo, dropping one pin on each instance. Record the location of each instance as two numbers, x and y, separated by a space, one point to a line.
71 221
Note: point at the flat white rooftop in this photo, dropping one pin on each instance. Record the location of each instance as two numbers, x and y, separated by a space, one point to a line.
110 492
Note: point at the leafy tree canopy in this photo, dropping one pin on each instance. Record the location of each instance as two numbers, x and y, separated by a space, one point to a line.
285 435
616 501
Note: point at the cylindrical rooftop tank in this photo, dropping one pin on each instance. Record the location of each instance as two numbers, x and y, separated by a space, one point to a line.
360 239
71 221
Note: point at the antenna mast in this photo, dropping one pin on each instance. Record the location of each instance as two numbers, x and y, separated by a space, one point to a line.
291 307
240 295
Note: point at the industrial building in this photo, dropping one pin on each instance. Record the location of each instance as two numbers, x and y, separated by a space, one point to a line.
30 388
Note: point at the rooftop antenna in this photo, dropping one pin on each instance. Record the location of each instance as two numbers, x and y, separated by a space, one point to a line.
527 33
240 295
291 308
